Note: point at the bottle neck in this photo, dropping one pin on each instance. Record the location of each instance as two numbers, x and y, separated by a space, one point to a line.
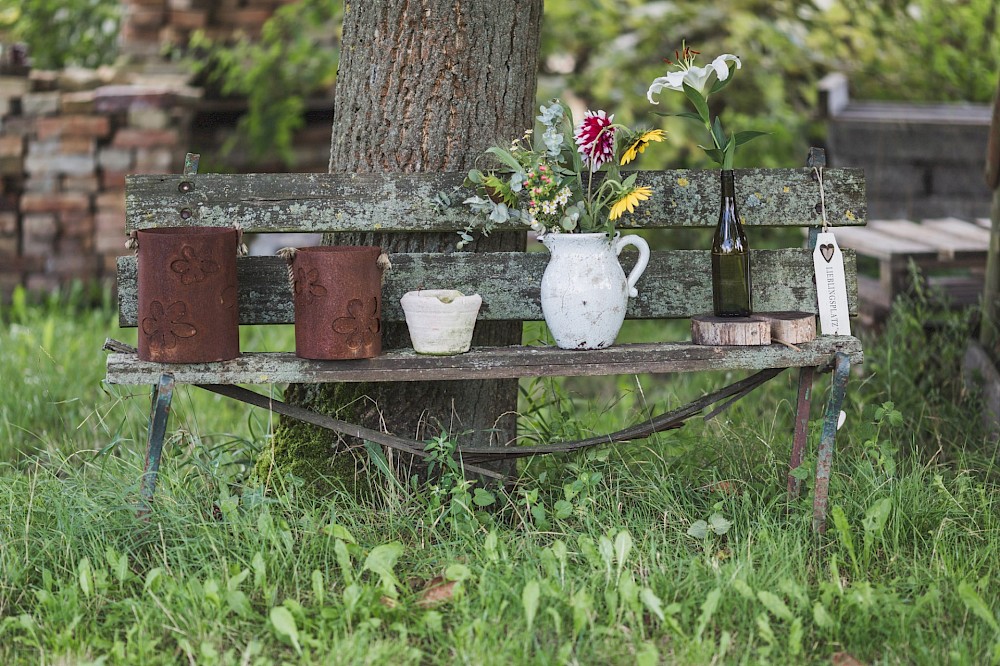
728 184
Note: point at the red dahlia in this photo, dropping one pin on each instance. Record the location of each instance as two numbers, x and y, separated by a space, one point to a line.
595 138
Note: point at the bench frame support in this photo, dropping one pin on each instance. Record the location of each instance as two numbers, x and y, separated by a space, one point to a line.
824 456
162 394
159 411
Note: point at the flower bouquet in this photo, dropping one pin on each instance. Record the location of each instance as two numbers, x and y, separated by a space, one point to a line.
565 185
550 182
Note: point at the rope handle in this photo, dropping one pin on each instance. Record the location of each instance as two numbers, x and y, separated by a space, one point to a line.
288 254
822 197
132 242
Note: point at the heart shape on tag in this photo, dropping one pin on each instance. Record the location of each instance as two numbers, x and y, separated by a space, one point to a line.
827 251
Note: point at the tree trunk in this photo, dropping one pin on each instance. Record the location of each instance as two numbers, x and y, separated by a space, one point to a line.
423 86
989 334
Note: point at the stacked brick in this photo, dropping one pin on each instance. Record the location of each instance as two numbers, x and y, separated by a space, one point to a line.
151 24
66 142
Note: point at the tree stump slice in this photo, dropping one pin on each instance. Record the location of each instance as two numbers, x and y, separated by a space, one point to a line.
742 331
791 327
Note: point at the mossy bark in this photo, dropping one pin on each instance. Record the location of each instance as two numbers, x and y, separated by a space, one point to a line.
308 452
423 86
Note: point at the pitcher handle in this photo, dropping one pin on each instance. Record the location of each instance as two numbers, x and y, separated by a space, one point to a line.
640 266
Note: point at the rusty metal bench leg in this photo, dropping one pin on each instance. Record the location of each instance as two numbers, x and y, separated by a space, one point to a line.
824 458
159 411
803 404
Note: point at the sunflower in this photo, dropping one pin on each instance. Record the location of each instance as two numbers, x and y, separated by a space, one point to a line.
628 200
640 142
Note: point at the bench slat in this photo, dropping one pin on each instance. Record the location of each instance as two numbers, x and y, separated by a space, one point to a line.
676 284
407 202
485 363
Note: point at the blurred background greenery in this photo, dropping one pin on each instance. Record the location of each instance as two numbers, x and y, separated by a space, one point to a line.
599 54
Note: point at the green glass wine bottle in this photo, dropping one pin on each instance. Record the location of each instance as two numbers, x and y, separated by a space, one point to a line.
730 258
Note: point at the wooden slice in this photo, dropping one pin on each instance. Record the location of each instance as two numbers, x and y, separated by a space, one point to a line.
745 331
791 327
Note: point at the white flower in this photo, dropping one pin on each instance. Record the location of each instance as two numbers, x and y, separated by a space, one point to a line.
699 78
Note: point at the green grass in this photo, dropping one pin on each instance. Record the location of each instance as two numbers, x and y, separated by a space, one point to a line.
679 549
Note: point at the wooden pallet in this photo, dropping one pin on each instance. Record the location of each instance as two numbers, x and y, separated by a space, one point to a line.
950 254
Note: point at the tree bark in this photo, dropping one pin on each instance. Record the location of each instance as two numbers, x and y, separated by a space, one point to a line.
989 331
425 85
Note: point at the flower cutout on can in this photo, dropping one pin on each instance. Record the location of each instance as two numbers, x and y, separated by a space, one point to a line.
190 268
229 297
163 327
362 324
307 286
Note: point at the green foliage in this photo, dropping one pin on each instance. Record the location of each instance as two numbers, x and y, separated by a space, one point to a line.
295 58
607 53
678 549
63 32
921 50
619 52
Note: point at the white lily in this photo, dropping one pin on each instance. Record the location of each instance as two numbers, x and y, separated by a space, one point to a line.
699 78
703 81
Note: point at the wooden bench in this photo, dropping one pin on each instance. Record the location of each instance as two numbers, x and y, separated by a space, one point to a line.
950 254
676 284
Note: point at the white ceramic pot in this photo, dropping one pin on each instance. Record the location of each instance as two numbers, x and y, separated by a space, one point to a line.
440 321
584 290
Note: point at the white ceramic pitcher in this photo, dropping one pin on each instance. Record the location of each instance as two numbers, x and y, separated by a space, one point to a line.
584 290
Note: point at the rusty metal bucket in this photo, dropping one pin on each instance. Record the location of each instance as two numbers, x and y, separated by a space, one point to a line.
338 302
187 295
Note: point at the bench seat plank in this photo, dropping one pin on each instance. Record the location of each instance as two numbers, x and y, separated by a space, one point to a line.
676 284
275 202
950 245
485 363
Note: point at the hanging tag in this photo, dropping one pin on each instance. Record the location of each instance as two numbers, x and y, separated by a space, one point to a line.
831 286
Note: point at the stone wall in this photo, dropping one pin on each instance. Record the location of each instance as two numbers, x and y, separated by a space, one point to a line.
921 161
149 25
66 142
68 138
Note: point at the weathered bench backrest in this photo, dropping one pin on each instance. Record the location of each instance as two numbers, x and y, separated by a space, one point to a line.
676 284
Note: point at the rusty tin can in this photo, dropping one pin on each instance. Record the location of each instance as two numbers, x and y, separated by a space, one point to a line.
338 302
187 295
